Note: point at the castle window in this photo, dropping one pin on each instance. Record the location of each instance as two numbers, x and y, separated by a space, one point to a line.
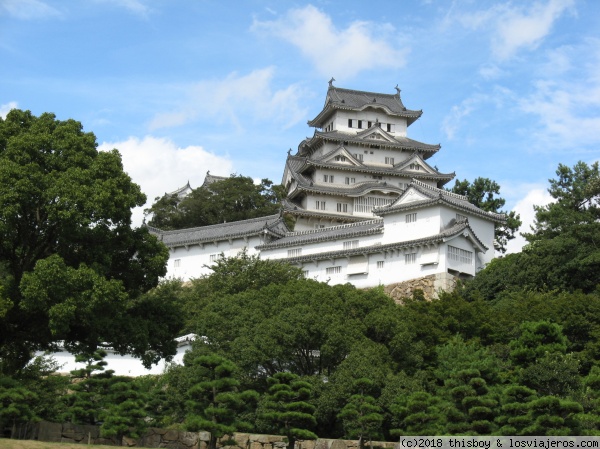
410 258
377 177
389 127
342 207
415 167
389 160
369 124
360 124
214 257
333 270
380 264
460 255
350 180
366 204
340 158
294 252
320 205
319 226
351 244
349 123
358 156
327 178
305 274
177 263
411 218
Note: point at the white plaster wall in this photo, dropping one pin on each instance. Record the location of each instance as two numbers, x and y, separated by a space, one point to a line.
194 258
396 229
122 365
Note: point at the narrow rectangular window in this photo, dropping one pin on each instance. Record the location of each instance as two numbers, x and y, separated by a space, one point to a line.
380 264
411 218
177 263
389 160
460 255
369 124
322 205
294 252
410 258
305 273
213 257
349 123
351 244
360 124
342 207
333 270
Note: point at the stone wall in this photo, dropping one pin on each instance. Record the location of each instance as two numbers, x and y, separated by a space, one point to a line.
172 439
430 285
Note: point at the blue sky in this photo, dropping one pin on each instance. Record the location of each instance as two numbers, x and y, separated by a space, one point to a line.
509 89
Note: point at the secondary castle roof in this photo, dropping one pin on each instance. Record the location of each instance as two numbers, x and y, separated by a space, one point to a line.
431 196
272 225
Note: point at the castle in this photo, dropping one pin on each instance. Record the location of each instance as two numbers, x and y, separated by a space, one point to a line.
368 207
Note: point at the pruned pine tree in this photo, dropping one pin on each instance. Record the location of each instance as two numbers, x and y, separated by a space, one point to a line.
287 408
362 418
215 401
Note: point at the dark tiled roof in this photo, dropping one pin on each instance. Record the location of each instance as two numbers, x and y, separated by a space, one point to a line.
209 179
438 196
272 224
327 234
356 100
400 142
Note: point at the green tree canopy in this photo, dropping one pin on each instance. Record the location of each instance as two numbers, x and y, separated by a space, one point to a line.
232 199
563 250
484 193
71 266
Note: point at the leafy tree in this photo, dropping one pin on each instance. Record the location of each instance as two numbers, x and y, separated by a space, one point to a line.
563 251
361 415
232 199
484 193
287 410
66 215
249 272
215 401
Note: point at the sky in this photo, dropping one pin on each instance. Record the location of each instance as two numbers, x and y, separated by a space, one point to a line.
509 89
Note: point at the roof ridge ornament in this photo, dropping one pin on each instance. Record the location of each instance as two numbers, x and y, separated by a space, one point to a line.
331 81
397 90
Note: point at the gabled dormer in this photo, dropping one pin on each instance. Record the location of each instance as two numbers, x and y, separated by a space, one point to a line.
415 164
341 156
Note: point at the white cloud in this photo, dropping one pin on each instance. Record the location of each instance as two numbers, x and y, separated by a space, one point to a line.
28 9
333 51
453 120
514 28
5 108
159 166
518 29
567 100
239 100
537 196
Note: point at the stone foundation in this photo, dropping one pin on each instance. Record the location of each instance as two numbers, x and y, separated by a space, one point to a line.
174 439
430 286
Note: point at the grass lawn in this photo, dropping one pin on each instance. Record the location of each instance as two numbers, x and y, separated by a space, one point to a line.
29 444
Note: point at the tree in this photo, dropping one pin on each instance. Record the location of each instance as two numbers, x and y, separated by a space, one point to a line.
563 251
484 193
71 265
123 413
215 401
361 416
232 199
287 410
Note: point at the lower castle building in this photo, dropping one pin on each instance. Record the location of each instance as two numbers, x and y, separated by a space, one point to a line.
368 208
